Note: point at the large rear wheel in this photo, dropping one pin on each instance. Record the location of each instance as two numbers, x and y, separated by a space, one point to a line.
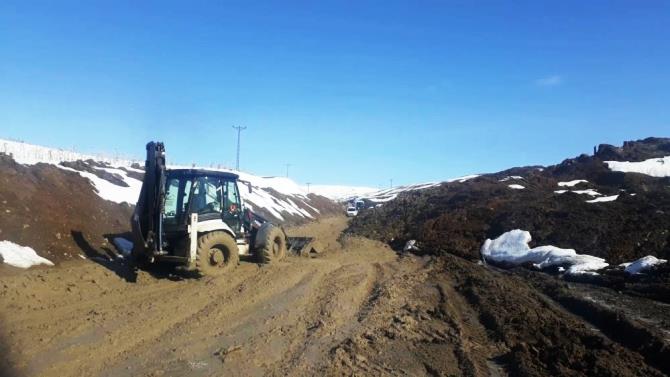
217 253
272 245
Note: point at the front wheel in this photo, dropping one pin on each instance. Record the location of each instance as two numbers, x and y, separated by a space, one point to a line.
217 253
271 244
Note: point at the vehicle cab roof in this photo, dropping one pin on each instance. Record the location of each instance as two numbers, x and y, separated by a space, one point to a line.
203 172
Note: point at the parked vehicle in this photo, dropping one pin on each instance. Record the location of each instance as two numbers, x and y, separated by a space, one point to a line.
352 211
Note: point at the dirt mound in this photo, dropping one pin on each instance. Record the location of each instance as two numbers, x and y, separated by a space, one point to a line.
56 212
457 217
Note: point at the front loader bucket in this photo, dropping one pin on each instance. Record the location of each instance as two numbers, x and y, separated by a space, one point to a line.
302 246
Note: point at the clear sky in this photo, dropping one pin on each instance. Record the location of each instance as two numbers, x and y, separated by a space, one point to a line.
348 92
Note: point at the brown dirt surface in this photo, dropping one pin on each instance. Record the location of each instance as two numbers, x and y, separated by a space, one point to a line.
56 212
356 309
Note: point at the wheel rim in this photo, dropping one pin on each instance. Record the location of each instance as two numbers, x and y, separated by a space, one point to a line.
216 257
276 246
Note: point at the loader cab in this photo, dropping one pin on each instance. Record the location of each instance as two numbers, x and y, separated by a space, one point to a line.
212 195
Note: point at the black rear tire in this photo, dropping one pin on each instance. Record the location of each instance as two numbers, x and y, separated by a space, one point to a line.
272 247
217 253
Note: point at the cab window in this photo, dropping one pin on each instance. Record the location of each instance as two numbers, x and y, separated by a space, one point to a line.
207 196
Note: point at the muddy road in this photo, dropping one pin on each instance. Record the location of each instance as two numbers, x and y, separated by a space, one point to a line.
356 309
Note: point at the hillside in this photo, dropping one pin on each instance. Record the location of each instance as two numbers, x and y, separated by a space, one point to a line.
63 204
603 205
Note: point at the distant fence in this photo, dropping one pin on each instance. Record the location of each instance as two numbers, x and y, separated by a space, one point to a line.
31 154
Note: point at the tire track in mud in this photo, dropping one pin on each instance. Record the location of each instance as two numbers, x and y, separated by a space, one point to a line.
342 295
225 319
129 317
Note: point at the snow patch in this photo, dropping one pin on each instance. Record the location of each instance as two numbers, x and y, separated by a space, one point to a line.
604 199
512 247
109 191
655 167
516 187
643 264
572 183
511 177
20 256
464 178
590 192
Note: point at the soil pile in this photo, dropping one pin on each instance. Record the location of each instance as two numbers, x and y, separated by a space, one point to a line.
456 218
56 212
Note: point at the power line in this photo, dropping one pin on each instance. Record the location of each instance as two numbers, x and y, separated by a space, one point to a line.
239 131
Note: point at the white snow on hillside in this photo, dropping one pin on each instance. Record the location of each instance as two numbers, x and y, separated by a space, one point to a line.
462 179
110 191
643 264
510 178
590 192
336 192
386 195
655 167
295 203
604 199
572 183
383 196
516 187
30 154
20 256
512 247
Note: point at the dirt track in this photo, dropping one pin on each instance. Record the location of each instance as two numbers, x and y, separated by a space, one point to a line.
356 309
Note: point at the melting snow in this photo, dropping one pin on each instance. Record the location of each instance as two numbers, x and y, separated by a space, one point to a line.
581 192
572 183
109 191
604 199
512 247
643 264
20 256
655 167
511 177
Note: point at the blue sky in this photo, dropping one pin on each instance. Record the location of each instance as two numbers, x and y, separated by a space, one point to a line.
347 92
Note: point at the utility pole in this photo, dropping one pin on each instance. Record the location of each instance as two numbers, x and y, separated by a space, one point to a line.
308 183
391 181
287 166
239 131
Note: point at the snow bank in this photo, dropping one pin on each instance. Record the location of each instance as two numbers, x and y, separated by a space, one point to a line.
20 256
516 187
643 264
572 183
655 167
512 247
